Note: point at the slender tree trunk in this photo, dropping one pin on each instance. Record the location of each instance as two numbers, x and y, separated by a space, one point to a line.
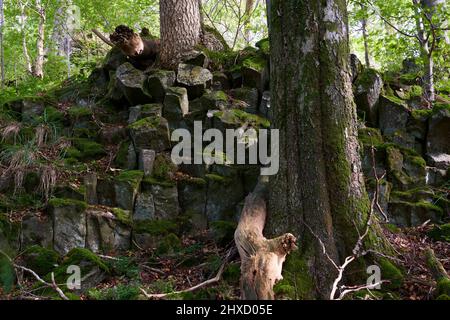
38 70
366 39
249 4
425 52
23 18
180 29
2 51
319 189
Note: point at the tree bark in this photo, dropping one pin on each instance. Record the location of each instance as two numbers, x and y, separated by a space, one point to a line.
180 30
249 4
38 70
365 39
319 188
23 17
426 54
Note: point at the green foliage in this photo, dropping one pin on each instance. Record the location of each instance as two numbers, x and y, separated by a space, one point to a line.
119 292
440 233
7 273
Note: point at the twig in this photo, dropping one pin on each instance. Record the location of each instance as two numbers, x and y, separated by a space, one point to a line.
200 285
52 285
102 37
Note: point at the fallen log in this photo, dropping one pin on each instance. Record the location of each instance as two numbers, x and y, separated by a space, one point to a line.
261 259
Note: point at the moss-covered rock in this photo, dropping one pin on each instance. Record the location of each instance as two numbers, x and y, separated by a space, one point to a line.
150 133
69 224
85 149
158 82
223 231
169 244
368 87
126 187
41 260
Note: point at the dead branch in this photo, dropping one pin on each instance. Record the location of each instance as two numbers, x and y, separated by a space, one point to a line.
206 283
261 259
102 37
52 285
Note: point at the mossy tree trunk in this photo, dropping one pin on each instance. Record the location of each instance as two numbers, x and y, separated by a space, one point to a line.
180 29
320 182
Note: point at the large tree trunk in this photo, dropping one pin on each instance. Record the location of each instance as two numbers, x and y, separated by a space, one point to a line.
180 29
38 70
319 189
2 51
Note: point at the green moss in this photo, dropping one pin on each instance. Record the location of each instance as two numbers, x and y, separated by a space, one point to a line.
257 63
283 289
163 168
155 227
7 274
132 177
60 203
443 286
157 182
394 99
391 273
169 244
79 112
40 260
443 297
218 178
78 255
298 282
123 216
416 91
239 117
440 233
264 46
119 292
149 122
420 114
87 148
370 136
365 79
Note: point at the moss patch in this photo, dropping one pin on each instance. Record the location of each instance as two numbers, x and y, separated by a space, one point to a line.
123 216
391 273
40 260
440 233
156 227
132 177
60 203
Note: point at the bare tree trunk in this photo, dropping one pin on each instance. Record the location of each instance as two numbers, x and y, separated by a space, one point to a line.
248 12
2 51
425 50
180 29
366 39
319 190
261 259
38 70
23 18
